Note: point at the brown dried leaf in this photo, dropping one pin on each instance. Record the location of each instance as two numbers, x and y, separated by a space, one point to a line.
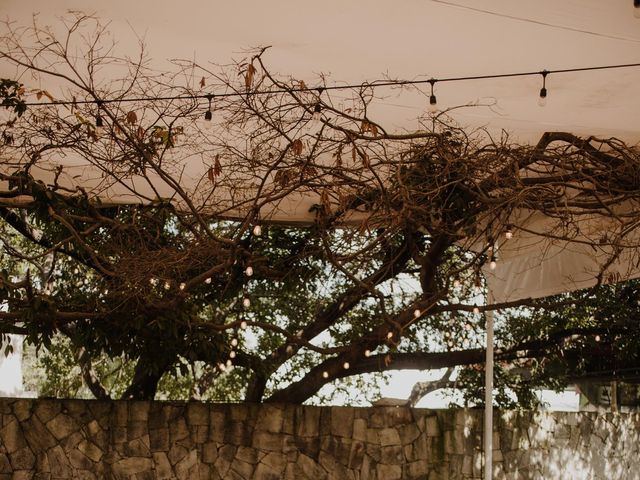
365 159
212 175
217 167
387 360
248 76
132 118
140 133
39 94
202 83
297 146
303 86
353 154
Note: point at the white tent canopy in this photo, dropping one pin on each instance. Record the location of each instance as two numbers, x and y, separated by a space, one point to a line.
364 41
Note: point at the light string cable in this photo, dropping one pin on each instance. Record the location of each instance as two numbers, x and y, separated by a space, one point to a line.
374 84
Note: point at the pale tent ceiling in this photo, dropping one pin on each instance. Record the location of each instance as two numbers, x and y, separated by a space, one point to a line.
358 41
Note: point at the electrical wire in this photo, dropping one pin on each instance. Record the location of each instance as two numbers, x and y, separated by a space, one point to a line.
375 84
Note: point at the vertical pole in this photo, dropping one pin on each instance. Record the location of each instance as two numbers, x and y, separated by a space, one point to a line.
488 397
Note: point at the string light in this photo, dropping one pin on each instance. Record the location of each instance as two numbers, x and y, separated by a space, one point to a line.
153 281
597 339
229 363
234 342
493 263
433 102
417 313
390 335
207 280
289 349
367 353
346 365
325 374
257 230
208 114
232 354
243 324
222 367
476 310
249 271
508 234
167 285
246 302
372 84
542 101
183 286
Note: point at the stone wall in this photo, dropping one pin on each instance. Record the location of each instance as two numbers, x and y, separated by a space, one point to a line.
53 439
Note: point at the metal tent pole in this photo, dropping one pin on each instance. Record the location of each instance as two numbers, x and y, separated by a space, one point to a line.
488 396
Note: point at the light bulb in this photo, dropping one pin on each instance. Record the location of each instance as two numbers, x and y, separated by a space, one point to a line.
433 104
597 338
257 230
243 324
167 285
249 271
317 113
346 365
476 310
493 264
183 286
508 234
416 313
246 303
542 99
299 333
367 353
222 367
229 363
325 374
289 349
390 335
232 354
234 342
208 280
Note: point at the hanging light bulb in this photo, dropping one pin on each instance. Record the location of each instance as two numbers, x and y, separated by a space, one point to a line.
232 354
183 286
234 342
207 280
153 281
243 324
346 365
317 108
508 234
167 285
222 367
476 310
289 348
325 374
597 339
246 302
390 335
249 271
257 230
433 102
367 353
317 112
542 100
493 263
229 363
208 114
417 313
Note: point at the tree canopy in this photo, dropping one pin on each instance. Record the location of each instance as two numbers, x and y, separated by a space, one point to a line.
137 221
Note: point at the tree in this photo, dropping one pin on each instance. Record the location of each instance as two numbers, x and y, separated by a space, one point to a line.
142 231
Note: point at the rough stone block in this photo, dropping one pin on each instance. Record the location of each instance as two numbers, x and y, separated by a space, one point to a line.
22 459
162 466
12 437
389 472
91 450
131 465
159 440
342 419
389 436
197 414
138 411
